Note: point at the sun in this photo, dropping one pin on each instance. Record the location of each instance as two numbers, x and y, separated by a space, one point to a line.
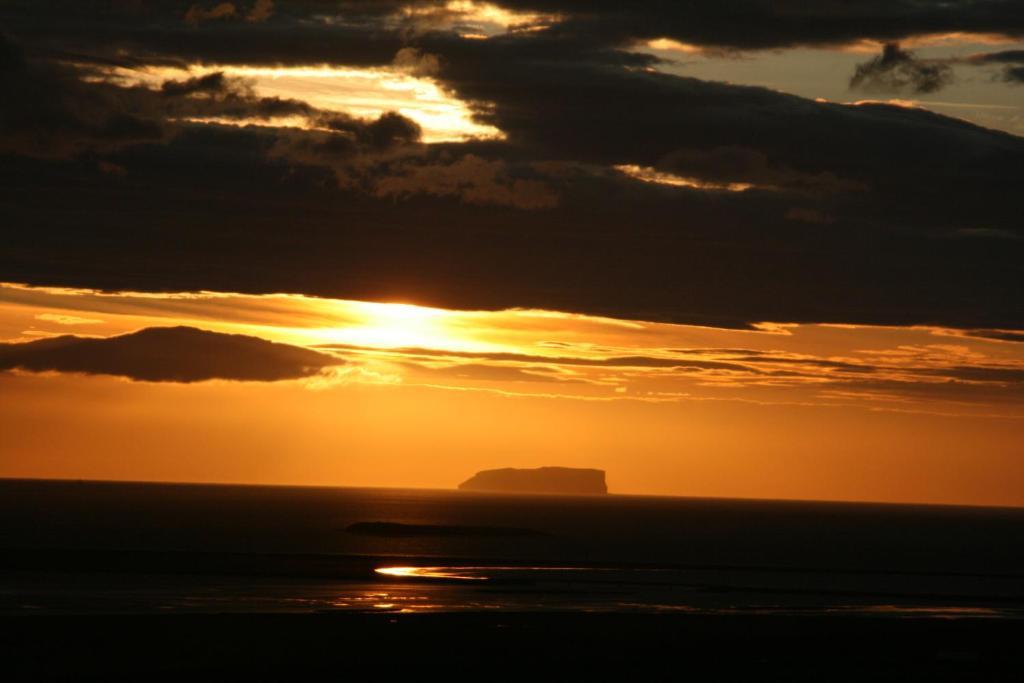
399 326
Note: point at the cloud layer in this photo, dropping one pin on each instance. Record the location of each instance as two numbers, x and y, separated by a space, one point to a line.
168 354
524 353
853 214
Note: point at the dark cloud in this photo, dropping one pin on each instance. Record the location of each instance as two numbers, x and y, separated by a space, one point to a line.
197 13
1000 335
216 95
1011 60
312 32
1014 74
849 219
472 179
987 234
970 373
349 30
612 362
744 165
208 210
55 112
897 70
210 83
48 111
261 11
1003 57
594 111
755 25
168 354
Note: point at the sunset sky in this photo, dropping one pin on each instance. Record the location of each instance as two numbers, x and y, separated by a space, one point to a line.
743 249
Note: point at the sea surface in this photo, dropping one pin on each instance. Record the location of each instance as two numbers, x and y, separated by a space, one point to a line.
70 547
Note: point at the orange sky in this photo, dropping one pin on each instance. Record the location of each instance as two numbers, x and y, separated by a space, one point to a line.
426 397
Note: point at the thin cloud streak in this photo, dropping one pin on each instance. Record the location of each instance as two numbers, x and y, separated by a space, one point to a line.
929 369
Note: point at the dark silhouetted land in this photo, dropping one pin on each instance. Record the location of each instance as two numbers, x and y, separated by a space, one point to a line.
550 480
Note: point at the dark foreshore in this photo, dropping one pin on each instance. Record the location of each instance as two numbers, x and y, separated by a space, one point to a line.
105 581
502 646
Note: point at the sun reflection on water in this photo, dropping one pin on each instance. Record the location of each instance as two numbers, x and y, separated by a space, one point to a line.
428 573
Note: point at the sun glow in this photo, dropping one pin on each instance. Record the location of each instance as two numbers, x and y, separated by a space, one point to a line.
394 326
557 354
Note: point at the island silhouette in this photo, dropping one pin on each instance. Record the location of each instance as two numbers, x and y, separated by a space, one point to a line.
550 480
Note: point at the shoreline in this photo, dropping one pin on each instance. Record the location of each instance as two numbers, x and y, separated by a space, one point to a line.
840 503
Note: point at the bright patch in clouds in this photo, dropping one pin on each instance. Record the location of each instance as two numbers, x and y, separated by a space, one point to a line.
477 20
364 93
651 175
395 326
950 40
673 46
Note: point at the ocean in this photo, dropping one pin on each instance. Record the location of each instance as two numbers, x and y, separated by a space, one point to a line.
155 547
72 547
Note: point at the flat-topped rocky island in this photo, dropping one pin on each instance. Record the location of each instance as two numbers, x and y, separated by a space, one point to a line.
550 480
